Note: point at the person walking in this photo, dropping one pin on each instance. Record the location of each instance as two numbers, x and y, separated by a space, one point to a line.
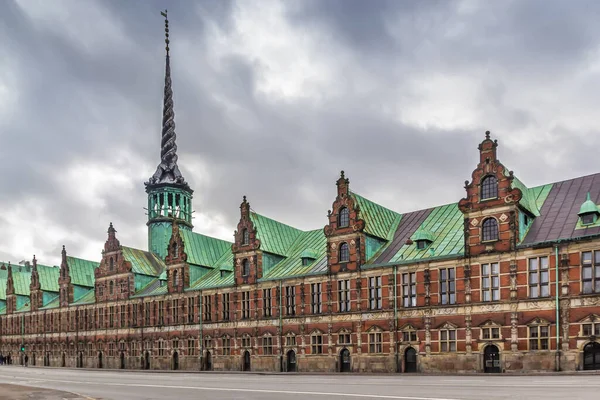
26 359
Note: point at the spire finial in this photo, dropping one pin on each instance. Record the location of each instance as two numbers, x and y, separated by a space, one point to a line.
342 174
168 171
589 198
487 134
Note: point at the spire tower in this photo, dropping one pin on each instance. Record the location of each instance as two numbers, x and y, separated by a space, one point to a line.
169 195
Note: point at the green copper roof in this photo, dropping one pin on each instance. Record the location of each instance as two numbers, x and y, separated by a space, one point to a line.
310 253
48 278
292 264
82 271
533 198
143 262
203 250
88 298
445 223
21 281
274 236
213 279
2 288
588 206
52 303
380 222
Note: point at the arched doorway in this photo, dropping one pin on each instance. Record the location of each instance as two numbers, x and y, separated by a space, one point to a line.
291 361
147 360
33 359
100 360
175 361
47 360
208 362
80 360
345 360
122 360
491 359
591 356
410 360
246 361
63 361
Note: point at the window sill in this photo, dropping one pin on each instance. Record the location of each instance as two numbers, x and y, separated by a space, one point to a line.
490 241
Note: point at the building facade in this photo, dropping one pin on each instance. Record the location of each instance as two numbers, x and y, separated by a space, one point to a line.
505 280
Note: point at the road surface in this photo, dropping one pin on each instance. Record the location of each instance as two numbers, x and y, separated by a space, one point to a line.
137 385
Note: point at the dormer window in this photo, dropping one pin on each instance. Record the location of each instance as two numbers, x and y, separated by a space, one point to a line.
308 256
245 237
344 218
422 244
423 238
344 253
307 261
245 267
588 211
489 188
489 230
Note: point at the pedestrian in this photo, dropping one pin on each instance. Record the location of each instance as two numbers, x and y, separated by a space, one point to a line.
26 359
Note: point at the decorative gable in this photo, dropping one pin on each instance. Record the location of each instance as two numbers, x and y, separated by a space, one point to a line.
246 249
344 232
491 206
114 277
178 271
64 281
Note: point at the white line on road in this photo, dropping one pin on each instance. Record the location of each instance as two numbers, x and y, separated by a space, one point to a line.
371 396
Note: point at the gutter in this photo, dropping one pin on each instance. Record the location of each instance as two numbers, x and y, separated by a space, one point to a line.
200 336
396 316
281 325
557 310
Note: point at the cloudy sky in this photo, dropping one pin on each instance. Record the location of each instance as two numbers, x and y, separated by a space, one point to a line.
273 99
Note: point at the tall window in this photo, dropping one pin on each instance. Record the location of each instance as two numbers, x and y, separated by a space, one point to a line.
161 312
375 342
290 300
207 308
290 340
316 342
315 299
111 287
409 334
245 237
538 337
175 278
245 305
490 282
225 306
344 218
190 310
375 293
344 252
490 332
191 346
267 302
448 340
409 289
245 267
111 264
539 277
447 286
175 250
489 230
590 271
267 345
344 295
246 341
489 188
226 346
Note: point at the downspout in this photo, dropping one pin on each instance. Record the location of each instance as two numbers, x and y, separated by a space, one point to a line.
396 316
281 326
557 310
200 336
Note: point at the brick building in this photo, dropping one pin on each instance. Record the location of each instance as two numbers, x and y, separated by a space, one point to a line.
505 280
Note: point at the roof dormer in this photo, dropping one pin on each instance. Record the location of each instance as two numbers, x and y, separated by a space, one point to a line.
588 212
423 238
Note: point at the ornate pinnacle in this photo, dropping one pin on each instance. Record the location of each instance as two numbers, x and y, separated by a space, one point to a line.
167 171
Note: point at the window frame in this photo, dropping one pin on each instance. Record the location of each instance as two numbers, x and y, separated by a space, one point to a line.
375 342
343 295
447 295
447 339
343 217
492 287
538 339
316 343
486 231
492 188
538 273
344 253
409 289
375 292
316 298
594 272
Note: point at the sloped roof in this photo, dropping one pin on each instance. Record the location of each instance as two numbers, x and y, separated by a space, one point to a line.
203 250
48 278
213 279
533 198
275 237
380 221
2 288
292 264
151 288
21 281
143 262
52 303
558 219
82 271
88 298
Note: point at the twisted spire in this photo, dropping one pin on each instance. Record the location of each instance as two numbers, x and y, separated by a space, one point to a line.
167 171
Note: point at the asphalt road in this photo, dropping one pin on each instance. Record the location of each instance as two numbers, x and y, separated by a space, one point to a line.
126 385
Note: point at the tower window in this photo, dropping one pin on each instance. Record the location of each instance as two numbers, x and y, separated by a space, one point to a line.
587 219
245 267
344 218
422 244
175 278
344 252
175 250
490 230
489 188
245 237
111 287
111 264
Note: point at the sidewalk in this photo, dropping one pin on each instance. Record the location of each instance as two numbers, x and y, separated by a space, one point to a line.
155 371
16 392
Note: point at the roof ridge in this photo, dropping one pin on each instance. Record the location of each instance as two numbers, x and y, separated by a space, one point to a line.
276 221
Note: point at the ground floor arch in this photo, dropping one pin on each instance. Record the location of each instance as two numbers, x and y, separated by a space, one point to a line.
175 362
291 361
345 364
591 356
100 365
410 360
63 360
208 362
491 359
122 360
146 360
246 361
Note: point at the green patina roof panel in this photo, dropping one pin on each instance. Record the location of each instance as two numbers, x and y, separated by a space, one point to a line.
274 236
445 223
82 271
48 278
380 222
87 298
21 281
213 279
204 250
2 288
143 262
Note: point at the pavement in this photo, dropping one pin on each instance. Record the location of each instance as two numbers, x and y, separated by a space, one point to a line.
15 392
139 385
